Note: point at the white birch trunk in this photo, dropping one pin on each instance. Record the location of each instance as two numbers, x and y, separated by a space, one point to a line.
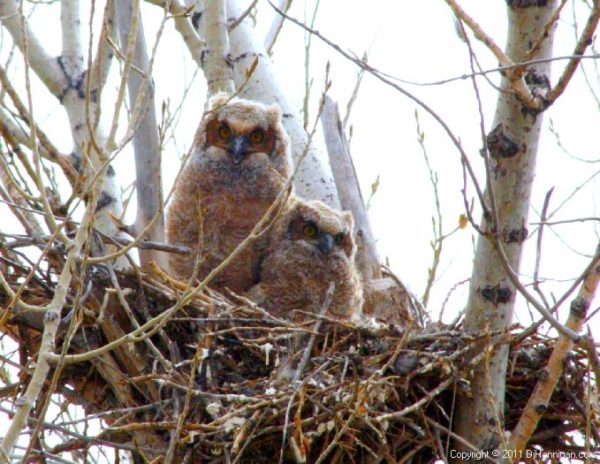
512 144
217 67
65 78
314 179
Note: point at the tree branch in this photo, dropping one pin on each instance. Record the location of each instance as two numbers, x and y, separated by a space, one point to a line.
539 399
47 149
276 25
584 41
44 65
512 74
145 138
99 69
351 198
51 323
183 25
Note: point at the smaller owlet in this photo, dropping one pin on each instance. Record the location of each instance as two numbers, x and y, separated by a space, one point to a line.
310 246
239 165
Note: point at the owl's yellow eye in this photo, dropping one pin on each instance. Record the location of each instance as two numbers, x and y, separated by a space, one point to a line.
224 132
257 136
309 230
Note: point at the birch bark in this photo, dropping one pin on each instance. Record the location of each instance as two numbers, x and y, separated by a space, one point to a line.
512 144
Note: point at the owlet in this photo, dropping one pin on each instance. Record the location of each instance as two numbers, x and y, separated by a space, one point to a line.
311 245
238 167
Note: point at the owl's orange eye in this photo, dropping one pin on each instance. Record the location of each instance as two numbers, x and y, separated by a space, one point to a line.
224 132
257 136
309 230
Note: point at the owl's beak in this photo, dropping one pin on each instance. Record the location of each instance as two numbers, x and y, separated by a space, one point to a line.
325 244
237 148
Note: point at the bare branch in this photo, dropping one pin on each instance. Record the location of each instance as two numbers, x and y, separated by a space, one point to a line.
46 149
276 25
45 66
183 25
539 399
51 322
513 75
584 41
99 70
145 139
351 198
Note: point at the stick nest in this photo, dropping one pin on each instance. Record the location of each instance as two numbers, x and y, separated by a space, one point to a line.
215 379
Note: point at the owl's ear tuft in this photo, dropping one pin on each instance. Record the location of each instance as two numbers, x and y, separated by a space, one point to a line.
218 100
348 220
274 114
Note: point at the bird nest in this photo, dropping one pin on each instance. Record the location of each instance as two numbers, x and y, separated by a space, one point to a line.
204 377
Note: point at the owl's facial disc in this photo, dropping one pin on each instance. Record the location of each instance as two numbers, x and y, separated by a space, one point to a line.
307 231
240 140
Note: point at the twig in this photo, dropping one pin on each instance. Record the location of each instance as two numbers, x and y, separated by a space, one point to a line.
237 21
9 129
183 25
437 220
307 78
128 42
514 75
539 399
51 323
198 357
311 341
380 76
535 48
538 252
584 41
24 241
352 99
498 69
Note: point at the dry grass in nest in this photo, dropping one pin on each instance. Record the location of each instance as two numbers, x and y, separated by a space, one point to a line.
268 390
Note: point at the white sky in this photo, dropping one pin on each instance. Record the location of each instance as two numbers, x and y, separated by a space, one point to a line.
415 42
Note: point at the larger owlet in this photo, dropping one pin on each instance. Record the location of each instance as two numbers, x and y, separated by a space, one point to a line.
311 245
239 165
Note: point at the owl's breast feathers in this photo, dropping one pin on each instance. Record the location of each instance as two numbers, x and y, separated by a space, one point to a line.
214 209
297 276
